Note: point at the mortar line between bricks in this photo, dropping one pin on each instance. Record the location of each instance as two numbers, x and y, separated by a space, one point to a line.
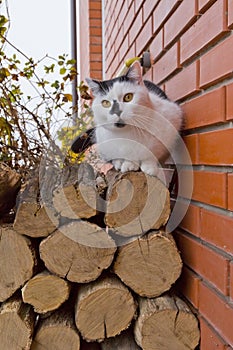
201 241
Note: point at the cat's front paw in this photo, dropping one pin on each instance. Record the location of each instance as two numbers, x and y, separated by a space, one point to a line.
117 163
150 168
129 166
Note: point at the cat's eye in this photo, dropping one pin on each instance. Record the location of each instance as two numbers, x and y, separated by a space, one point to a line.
106 103
128 97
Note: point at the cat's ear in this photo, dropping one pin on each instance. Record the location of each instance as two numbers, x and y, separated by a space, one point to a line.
94 85
135 73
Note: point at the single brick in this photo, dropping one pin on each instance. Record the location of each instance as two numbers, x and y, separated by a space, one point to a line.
210 188
214 147
217 229
206 109
211 71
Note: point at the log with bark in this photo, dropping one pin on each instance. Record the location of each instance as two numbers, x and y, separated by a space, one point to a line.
16 324
136 203
10 182
166 323
57 331
18 261
78 251
45 292
104 308
35 216
124 341
149 265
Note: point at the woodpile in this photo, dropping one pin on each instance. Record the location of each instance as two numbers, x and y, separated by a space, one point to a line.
88 264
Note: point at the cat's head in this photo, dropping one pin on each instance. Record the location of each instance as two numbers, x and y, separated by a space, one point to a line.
116 101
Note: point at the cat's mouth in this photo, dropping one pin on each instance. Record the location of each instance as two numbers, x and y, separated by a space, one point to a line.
120 124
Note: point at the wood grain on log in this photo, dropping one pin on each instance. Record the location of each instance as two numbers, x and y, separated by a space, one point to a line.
16 324
78 195
10 182
34 217
149 265
17 258
166 323
136 203
104 308
79 251
57 331
124 341
45 292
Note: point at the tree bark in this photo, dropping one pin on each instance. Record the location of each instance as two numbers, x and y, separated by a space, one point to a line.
149 265
124 341
79 251
18 260
136 203
104 308
45 292
35 216
166 323
57 331
16 324
10 182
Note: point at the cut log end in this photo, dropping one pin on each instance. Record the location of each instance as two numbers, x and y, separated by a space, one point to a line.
45 292
166 323
103 309
136 203
79 251
16 324
57 332
17 258
152 255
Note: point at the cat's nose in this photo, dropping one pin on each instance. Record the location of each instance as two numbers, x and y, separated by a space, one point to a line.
115 108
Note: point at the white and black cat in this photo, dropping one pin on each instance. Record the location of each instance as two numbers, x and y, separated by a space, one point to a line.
136 125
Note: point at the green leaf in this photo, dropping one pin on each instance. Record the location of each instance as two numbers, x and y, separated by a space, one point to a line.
4 73
63 71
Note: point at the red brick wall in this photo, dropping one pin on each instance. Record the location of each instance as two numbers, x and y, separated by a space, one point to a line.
90 28
191 43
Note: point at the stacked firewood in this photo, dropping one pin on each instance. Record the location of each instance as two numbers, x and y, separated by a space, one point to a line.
88 264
